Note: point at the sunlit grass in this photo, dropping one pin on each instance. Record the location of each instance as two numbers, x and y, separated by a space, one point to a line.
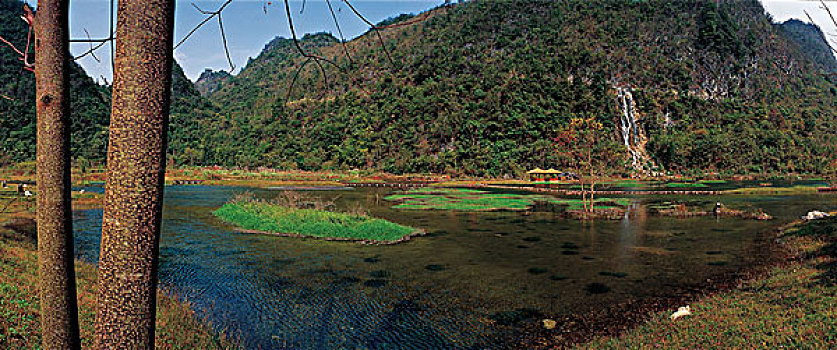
798 189
474 200
268 217
686 185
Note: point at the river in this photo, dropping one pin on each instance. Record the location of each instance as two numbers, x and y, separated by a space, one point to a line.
473 282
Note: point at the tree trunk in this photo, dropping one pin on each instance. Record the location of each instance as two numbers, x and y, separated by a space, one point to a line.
59 309
136 169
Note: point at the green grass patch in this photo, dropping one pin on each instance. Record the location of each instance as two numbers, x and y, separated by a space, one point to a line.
474 200
798 189
713 182
686 185
444 190
275 218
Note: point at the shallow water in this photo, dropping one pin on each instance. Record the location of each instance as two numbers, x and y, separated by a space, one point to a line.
471 283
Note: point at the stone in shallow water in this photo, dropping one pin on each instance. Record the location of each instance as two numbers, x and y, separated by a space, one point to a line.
532 239
380 274
714 252
349 280
597 288
522 246
510 318
570 252
557 277
371 260
613 274
434 267
375 283
716 263
537 270
569 245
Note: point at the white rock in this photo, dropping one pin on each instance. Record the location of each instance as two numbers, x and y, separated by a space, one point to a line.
548 323
683 311
815 214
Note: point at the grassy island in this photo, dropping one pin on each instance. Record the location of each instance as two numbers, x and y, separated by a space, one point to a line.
289 216
463 199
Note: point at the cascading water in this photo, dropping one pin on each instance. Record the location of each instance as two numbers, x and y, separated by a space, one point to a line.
632 134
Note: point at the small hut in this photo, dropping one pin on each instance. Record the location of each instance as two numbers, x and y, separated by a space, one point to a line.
550 174
539 174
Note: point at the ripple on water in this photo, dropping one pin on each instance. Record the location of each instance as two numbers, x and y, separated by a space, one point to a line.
283 292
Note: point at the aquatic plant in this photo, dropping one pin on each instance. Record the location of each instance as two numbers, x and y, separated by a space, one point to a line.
475 200
287 217
686 185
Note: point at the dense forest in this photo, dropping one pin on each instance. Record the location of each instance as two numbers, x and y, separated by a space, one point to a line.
89 105
483 87
89 102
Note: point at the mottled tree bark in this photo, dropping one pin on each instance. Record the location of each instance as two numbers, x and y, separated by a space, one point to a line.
136 169
59 310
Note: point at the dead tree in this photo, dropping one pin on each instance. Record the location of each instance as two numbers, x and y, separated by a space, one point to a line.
136 167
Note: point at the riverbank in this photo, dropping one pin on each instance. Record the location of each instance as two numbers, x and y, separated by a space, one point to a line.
790 305
290 219
178 327
265 178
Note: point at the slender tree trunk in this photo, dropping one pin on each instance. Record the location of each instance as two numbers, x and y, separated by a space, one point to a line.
59 310
136 168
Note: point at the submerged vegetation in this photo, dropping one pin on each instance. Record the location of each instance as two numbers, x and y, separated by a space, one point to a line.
295 214
178 327
792 306
477 200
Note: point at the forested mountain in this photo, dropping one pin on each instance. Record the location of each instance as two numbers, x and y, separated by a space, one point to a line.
482 88
809 39
89 104
210 80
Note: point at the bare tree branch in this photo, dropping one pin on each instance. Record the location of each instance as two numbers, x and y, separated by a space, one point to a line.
375 28
224 39
339 31
822 36
211 15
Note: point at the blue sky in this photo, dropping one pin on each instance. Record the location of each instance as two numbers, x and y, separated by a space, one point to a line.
246 24
249 28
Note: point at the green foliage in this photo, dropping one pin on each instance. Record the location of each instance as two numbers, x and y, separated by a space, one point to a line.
483 87
718 32
89 102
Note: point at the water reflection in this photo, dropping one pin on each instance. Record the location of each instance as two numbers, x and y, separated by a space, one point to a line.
471 283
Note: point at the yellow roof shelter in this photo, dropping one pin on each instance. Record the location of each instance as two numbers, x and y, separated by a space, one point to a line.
541 171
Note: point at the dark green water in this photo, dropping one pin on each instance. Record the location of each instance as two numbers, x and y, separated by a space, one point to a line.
460 287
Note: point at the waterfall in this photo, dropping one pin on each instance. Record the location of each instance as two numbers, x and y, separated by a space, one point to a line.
632 134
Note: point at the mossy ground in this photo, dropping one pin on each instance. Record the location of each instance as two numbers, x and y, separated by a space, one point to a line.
792 307
178 327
